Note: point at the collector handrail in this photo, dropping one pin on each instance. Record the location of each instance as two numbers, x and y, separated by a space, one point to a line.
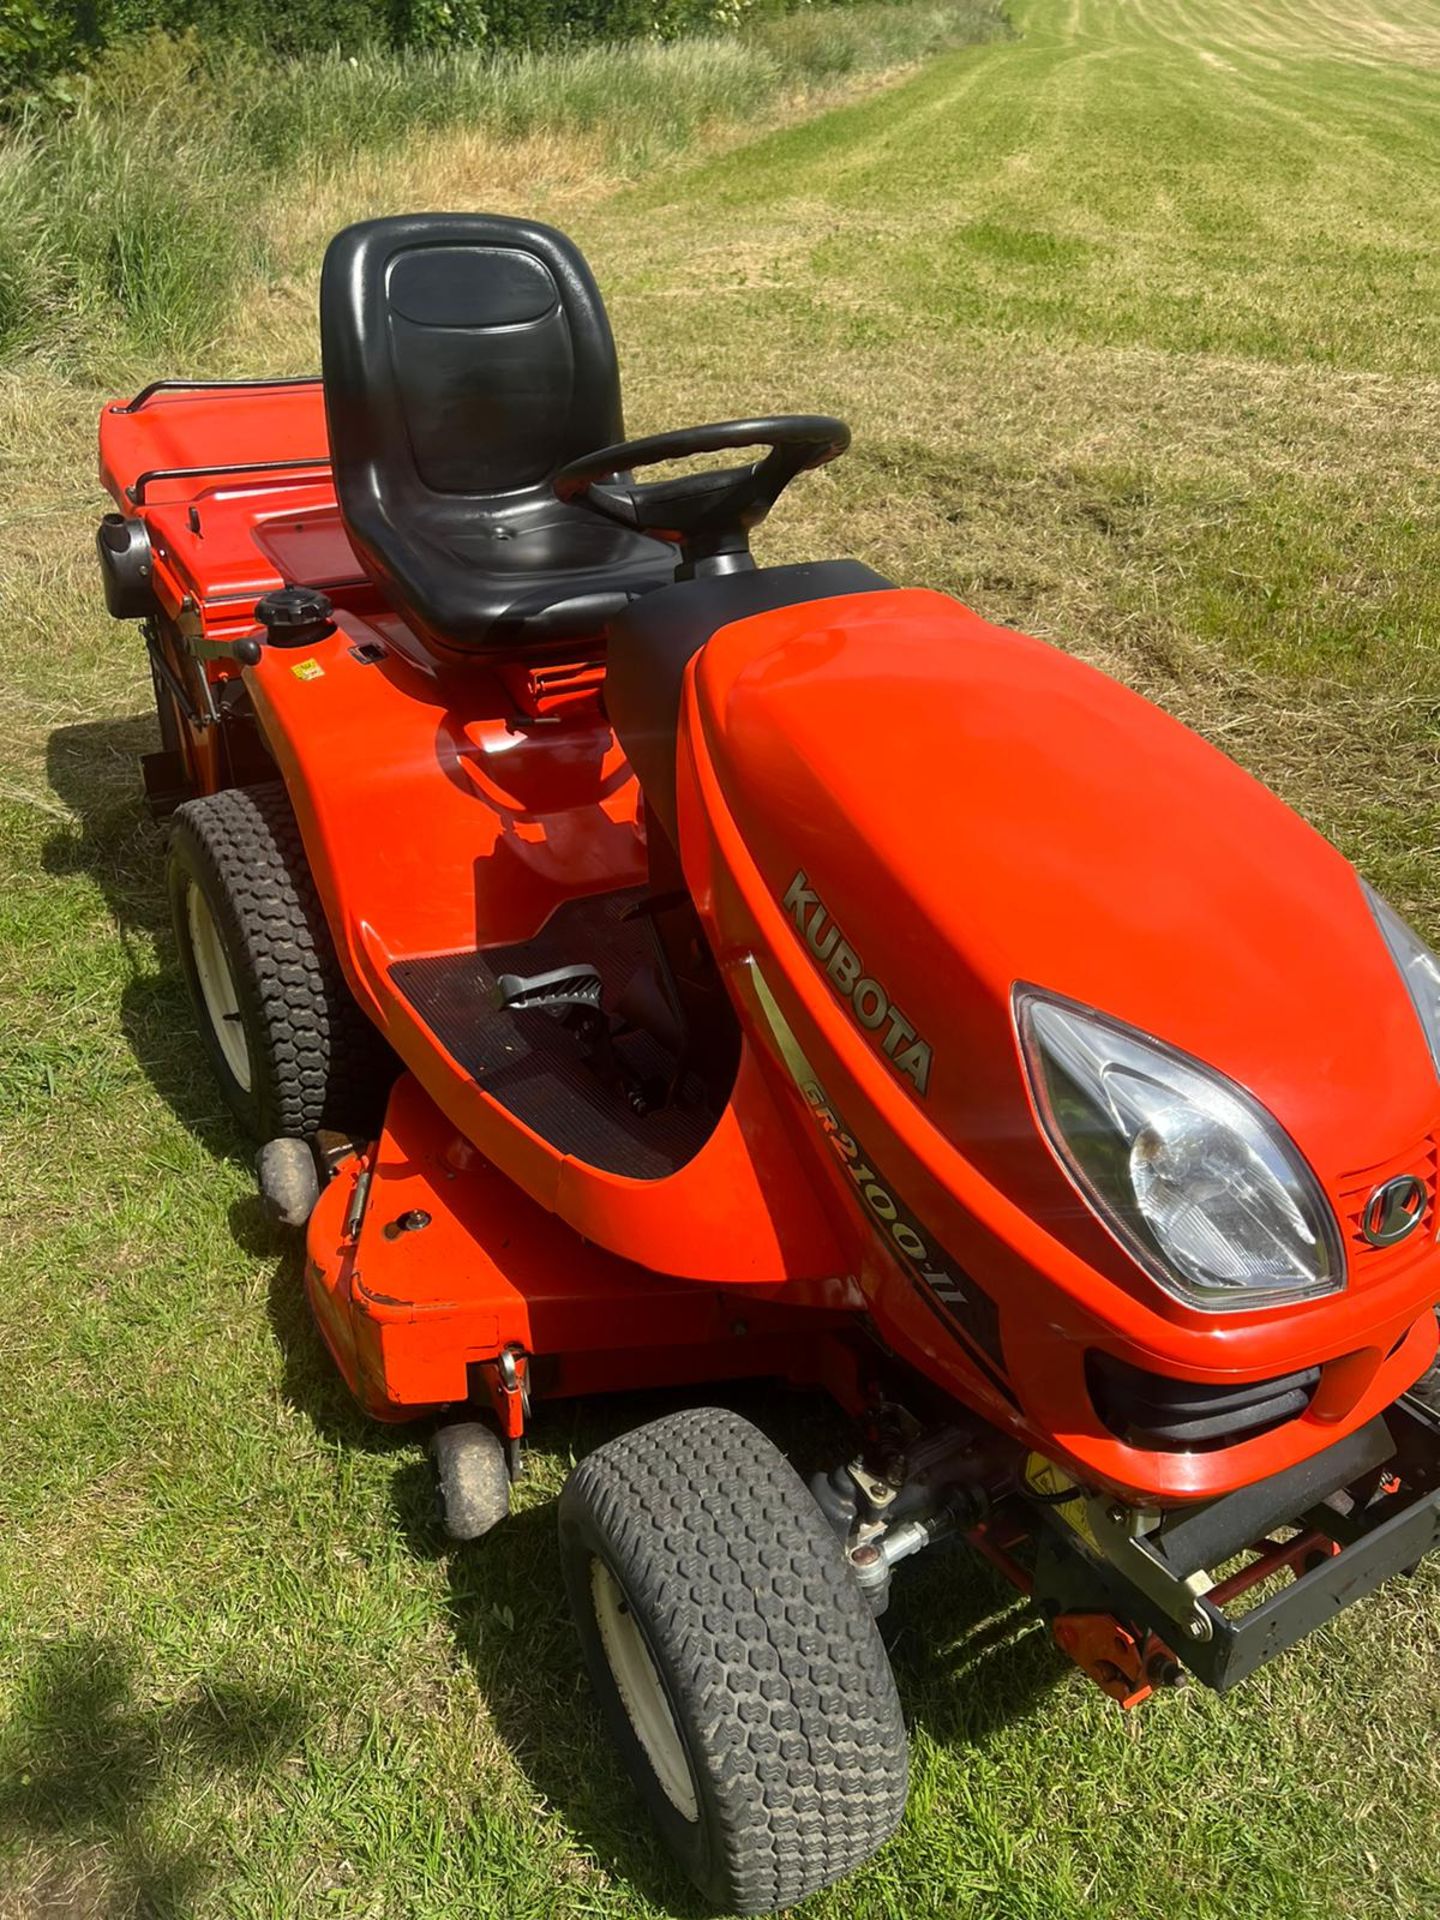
202 386
135 492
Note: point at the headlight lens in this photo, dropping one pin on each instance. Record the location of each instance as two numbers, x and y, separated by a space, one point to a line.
1419 967
1197 1181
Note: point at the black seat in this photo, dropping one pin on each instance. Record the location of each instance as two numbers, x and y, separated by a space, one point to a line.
653 643
467 357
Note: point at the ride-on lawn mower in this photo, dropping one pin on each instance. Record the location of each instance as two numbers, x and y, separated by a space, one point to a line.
641 967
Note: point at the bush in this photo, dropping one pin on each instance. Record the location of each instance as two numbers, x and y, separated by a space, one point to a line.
42 39
121 216
132 213
810 44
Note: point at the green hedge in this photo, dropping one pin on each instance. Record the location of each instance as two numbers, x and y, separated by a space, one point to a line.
135 213
41 40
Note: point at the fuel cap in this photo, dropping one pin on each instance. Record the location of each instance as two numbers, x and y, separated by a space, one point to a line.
295 616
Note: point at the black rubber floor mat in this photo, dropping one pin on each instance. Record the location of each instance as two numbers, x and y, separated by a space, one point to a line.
534 1066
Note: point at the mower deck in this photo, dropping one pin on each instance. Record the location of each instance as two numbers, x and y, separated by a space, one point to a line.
426 1268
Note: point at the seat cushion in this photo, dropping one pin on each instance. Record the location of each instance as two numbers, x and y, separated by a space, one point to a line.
556 575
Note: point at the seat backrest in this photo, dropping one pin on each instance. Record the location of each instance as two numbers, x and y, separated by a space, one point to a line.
465 356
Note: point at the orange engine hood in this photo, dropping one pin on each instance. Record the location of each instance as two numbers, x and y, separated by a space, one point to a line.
970 808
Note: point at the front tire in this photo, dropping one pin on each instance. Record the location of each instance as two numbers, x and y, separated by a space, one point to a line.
737 1665
289 1046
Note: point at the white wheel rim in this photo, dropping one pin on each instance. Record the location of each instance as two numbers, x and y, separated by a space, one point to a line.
217 985
632 1667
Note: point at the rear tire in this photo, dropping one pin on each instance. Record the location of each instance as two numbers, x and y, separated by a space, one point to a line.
291 1049
737 1664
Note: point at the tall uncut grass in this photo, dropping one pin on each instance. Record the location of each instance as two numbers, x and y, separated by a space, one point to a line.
132 218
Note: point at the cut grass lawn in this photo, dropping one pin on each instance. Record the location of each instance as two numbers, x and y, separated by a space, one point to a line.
1134 316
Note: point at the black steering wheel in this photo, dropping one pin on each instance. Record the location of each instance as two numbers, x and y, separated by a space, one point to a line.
708 515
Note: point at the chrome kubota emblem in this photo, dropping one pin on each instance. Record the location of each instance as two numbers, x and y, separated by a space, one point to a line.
1393 1211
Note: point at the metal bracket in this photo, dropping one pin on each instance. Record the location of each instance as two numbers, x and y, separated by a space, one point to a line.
878 1492
161 666
1120 1534
511 1392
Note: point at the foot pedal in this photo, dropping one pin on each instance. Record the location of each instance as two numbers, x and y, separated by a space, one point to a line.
574 995
541 992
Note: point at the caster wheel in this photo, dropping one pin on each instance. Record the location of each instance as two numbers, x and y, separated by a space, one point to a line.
289 1182
474 1479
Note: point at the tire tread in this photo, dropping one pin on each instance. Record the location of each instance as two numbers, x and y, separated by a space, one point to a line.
768 1642
322 1060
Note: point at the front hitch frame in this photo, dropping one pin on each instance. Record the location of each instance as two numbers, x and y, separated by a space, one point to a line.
1364 1510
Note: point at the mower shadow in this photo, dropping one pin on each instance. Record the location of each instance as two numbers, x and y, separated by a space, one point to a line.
88 1760
94 769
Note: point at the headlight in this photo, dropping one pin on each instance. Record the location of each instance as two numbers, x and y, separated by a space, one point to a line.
1195 1179
1419 967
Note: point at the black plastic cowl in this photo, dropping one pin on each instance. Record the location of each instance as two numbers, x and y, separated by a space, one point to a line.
1152 1410
295 616
123 547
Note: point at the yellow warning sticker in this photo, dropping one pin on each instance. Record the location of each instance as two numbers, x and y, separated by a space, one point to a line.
308 670
1042 1476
